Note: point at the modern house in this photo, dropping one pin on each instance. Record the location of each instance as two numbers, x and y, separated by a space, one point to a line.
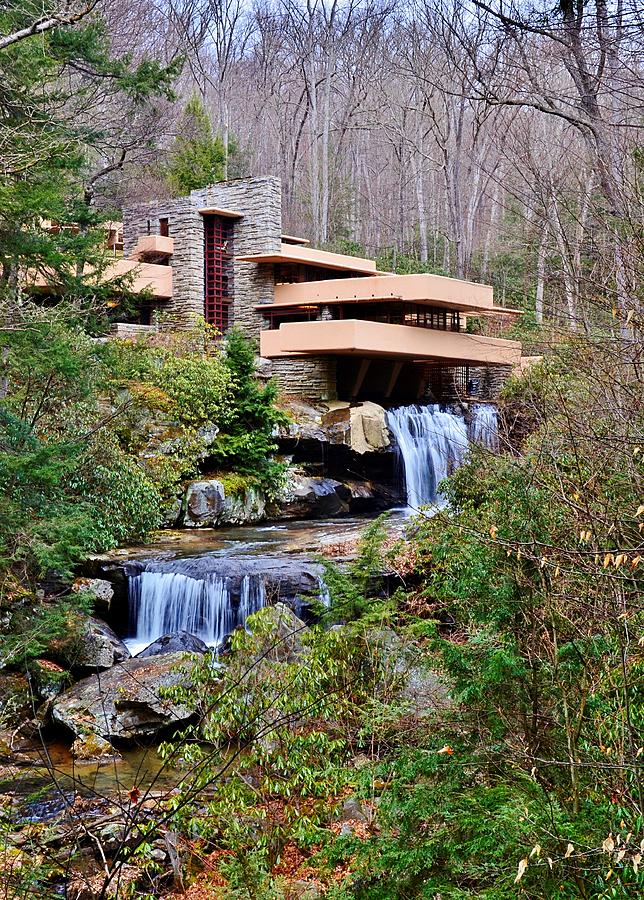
331 324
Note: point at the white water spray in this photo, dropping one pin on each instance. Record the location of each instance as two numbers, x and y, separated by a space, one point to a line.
484 427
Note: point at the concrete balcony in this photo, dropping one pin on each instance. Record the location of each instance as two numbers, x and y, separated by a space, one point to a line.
347 337
146 276
434 290
153 245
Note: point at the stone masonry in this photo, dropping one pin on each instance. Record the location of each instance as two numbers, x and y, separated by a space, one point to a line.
314 377
257 230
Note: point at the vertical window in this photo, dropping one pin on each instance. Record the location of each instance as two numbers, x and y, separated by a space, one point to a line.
164 228
218 270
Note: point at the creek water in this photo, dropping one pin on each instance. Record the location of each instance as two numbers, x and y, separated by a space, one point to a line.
208 581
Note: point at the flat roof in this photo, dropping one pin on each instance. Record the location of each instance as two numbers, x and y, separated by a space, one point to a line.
307 256
219 211
291 239
470 298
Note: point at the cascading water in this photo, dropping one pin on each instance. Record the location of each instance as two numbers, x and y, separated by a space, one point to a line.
431 444
212 594
168 602
484 426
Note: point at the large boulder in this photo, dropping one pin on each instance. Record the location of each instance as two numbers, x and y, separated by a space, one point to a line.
98 590
284 643
96 648
424 691
361 427
127 702
16 702
244 508
180 642
207 505
204 503
306 496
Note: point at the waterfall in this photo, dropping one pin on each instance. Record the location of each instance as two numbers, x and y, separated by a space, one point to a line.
167 602
323 592
252 597
484 427
431 444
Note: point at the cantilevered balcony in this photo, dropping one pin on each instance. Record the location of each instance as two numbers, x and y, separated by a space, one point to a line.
435 290
153 245
157 279
347 337
297 254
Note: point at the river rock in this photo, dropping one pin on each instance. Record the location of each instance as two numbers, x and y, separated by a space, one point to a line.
284 644
360 426
93 748
424 691
352 811
306 496
207 506
98 589
49 678
180 642
244 508
16 704
98 648
204 503
127 701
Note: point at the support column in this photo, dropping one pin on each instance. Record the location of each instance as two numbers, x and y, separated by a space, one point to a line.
393 378
360 377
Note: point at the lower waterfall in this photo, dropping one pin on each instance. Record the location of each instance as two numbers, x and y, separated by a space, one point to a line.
432 443
167 602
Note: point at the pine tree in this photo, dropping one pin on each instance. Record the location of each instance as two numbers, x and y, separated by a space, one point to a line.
197 156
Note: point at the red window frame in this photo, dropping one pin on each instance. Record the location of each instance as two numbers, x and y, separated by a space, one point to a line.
218 270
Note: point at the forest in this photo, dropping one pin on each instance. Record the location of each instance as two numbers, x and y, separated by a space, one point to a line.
236 659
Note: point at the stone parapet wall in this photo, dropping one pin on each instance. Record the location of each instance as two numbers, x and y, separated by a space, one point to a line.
314 377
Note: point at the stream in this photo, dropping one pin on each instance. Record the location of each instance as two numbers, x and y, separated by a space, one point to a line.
207 581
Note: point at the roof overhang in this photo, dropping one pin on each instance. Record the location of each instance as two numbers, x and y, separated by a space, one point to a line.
218 211
454 294
321 259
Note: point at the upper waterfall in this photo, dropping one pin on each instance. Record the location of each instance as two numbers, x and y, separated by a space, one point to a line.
432 443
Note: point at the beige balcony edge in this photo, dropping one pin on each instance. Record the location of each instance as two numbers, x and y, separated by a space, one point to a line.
370 339
436 290
301 255
156 244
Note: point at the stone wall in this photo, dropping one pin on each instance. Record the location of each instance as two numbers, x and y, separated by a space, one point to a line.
258 230
491 380
314 377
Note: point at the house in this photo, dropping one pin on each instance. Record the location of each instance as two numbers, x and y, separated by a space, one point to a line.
332 325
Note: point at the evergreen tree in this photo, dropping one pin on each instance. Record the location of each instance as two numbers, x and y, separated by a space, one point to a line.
51 143
197 156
